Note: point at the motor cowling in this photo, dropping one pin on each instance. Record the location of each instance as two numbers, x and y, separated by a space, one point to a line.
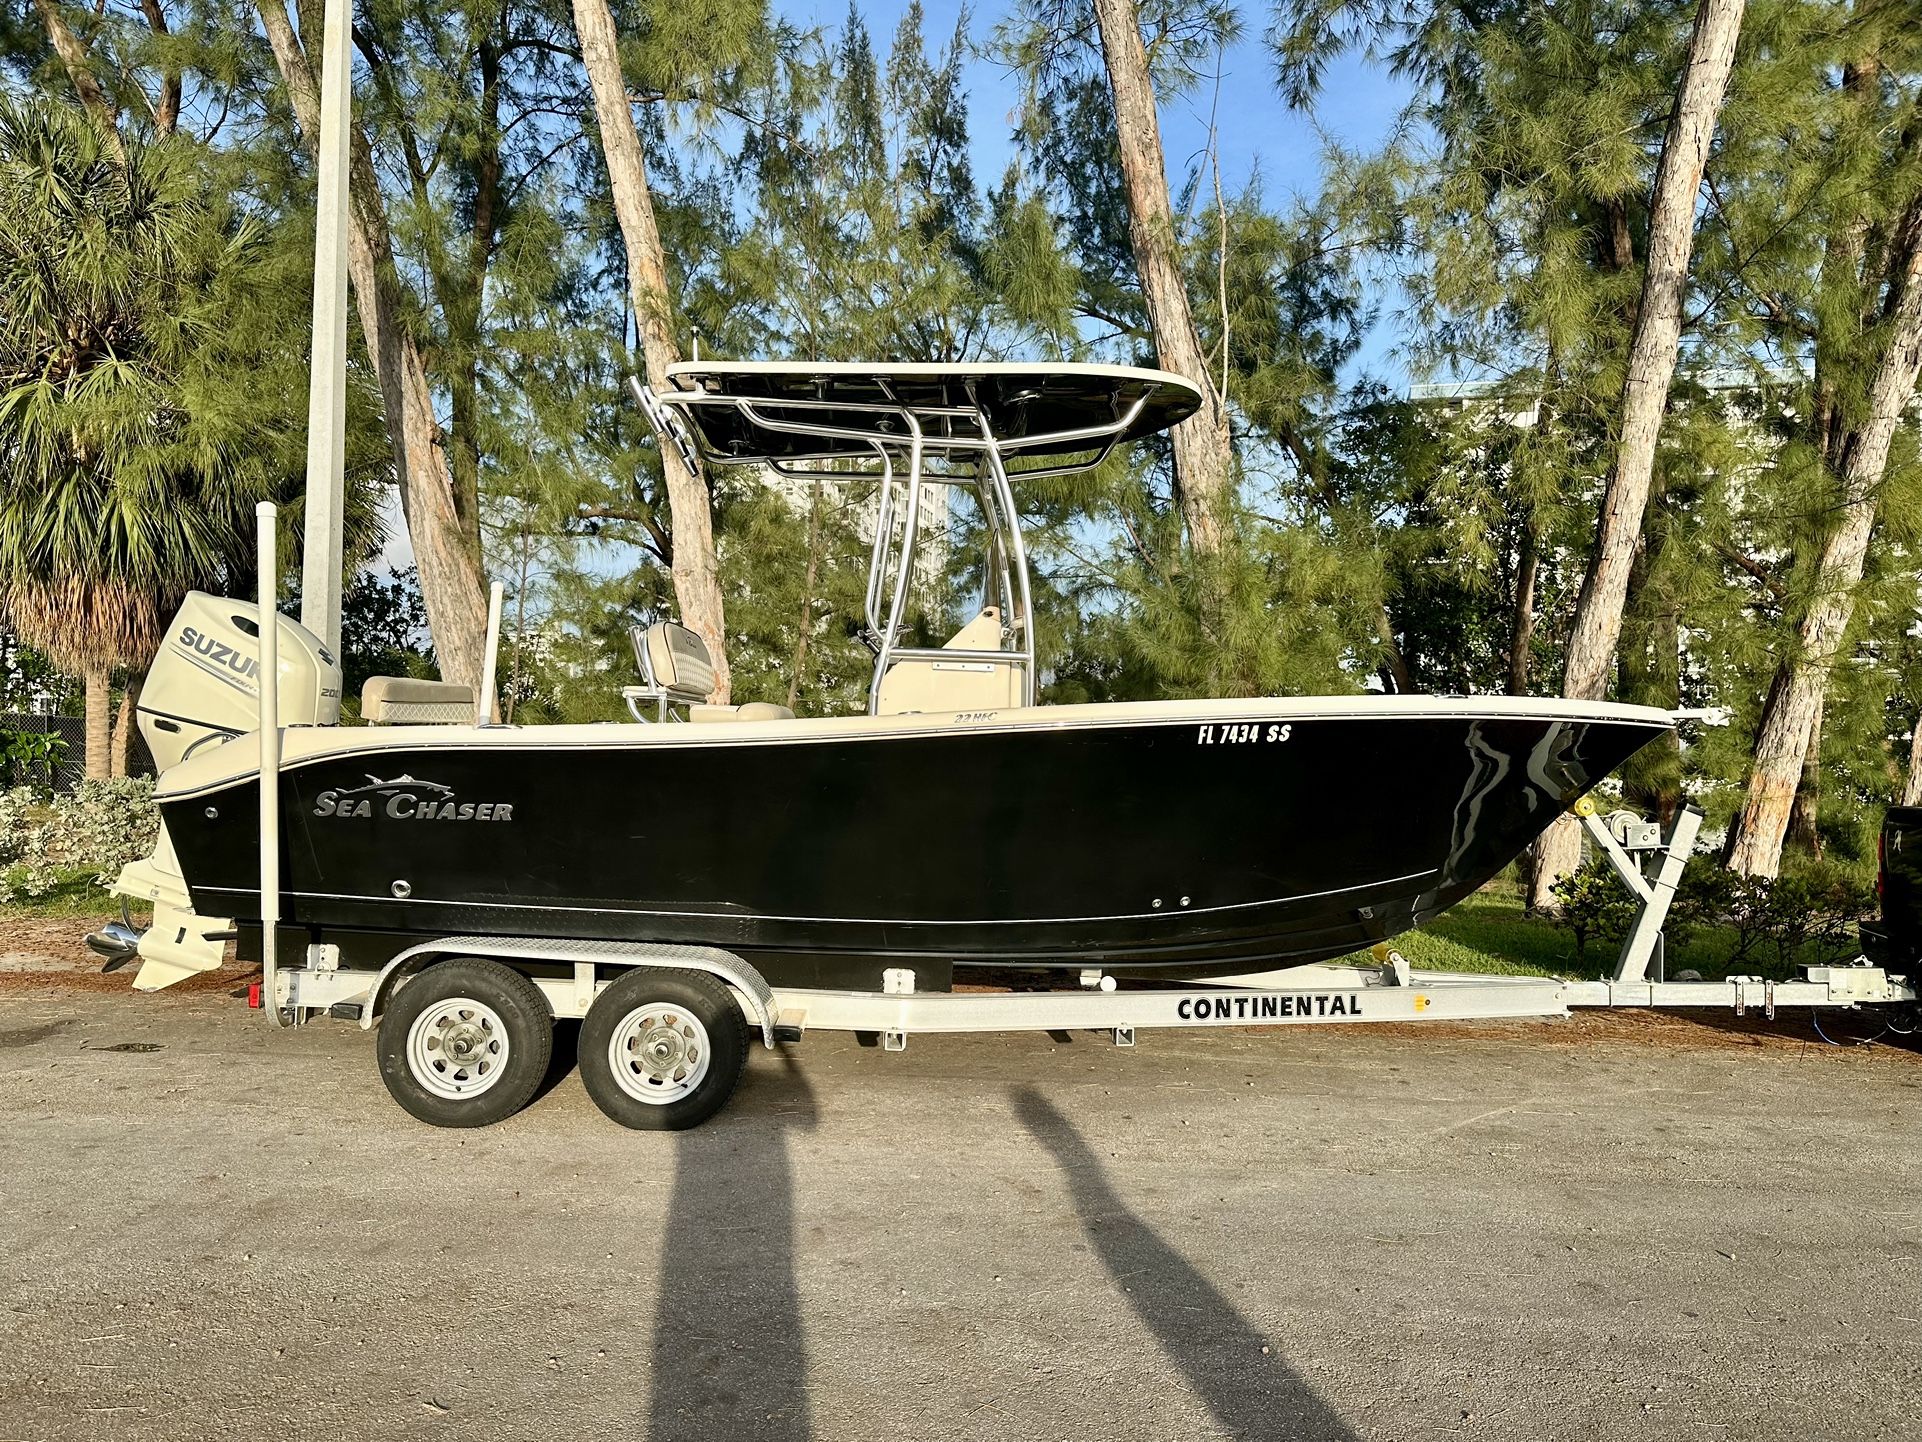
203 688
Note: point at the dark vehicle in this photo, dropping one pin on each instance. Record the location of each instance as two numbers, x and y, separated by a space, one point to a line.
1895 941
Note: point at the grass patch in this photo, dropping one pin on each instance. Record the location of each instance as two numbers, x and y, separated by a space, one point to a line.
1490 933
75 894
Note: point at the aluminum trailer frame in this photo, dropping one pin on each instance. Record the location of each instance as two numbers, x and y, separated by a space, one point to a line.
1301 996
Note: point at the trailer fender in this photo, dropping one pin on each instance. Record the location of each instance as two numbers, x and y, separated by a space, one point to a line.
736 971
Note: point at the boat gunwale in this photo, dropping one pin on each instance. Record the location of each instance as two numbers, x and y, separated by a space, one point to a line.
305 746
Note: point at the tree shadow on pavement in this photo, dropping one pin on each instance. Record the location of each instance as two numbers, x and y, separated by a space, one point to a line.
1218 1350
730 1360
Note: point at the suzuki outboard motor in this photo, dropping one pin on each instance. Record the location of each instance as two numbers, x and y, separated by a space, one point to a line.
203 688
203 691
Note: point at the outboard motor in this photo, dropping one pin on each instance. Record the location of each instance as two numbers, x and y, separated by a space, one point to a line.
202 691
203 688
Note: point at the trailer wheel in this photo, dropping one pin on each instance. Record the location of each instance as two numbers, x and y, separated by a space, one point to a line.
465 1043
662 1049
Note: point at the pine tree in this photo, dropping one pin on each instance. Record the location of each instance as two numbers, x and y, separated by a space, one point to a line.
1620 544
450 573
1055 44
1862 331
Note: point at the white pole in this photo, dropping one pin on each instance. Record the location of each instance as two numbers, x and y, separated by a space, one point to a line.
269 618
327 372
486 701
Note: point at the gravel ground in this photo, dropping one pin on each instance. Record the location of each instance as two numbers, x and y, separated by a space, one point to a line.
1616 1227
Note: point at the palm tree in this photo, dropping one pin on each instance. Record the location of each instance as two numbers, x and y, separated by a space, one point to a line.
131 446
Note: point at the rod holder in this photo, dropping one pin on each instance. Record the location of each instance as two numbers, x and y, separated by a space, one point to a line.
268 562
487 701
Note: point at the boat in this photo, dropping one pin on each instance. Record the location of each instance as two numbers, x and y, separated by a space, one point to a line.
703 868
955 826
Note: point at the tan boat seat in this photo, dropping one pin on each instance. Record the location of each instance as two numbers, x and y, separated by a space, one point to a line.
674 660
679 671
747 711
920 685
406 701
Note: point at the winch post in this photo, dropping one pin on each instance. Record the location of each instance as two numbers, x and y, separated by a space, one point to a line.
1645 932
268 565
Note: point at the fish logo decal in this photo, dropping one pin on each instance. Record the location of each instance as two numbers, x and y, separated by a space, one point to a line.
407 798
386 788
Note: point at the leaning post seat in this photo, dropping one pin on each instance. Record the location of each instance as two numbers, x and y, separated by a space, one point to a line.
679 672
405 701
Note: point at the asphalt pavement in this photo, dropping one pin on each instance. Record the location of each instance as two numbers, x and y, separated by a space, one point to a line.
1592 1229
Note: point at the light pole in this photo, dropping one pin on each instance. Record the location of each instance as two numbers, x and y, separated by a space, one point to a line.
327 375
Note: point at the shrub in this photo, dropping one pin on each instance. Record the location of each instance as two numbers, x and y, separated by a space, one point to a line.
1812 912
99 826
1804 916
1595 906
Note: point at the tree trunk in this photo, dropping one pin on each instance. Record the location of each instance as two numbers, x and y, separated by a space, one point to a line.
1652 349
125 729
1789 716
97 731
79 67
697 580
1912 791
1597 628
166 106
451 583
1393 667
1204 450
1521 631
1803 831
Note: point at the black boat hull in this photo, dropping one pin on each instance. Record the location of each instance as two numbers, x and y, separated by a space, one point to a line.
1177 846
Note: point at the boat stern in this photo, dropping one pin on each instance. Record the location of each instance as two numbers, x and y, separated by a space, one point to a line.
179 942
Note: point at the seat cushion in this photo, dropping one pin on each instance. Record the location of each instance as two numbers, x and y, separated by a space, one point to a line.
676 660
749 711
405 701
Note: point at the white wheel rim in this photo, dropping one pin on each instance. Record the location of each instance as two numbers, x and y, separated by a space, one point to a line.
457 1048
659 1053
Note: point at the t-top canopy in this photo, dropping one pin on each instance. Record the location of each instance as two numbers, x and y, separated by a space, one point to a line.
795 410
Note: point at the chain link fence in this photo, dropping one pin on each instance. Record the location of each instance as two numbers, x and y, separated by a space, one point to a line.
65 772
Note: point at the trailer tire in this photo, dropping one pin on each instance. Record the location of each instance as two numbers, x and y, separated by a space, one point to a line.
662 1049
465 1043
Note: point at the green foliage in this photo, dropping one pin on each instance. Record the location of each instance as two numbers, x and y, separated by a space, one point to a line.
1594 905
117 491
1806 916
27 678
383 629
22 753
98 827
130 298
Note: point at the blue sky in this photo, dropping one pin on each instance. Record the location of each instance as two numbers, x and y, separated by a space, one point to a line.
1359 103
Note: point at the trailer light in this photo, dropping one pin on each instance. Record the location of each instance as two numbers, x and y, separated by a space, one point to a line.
253 995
